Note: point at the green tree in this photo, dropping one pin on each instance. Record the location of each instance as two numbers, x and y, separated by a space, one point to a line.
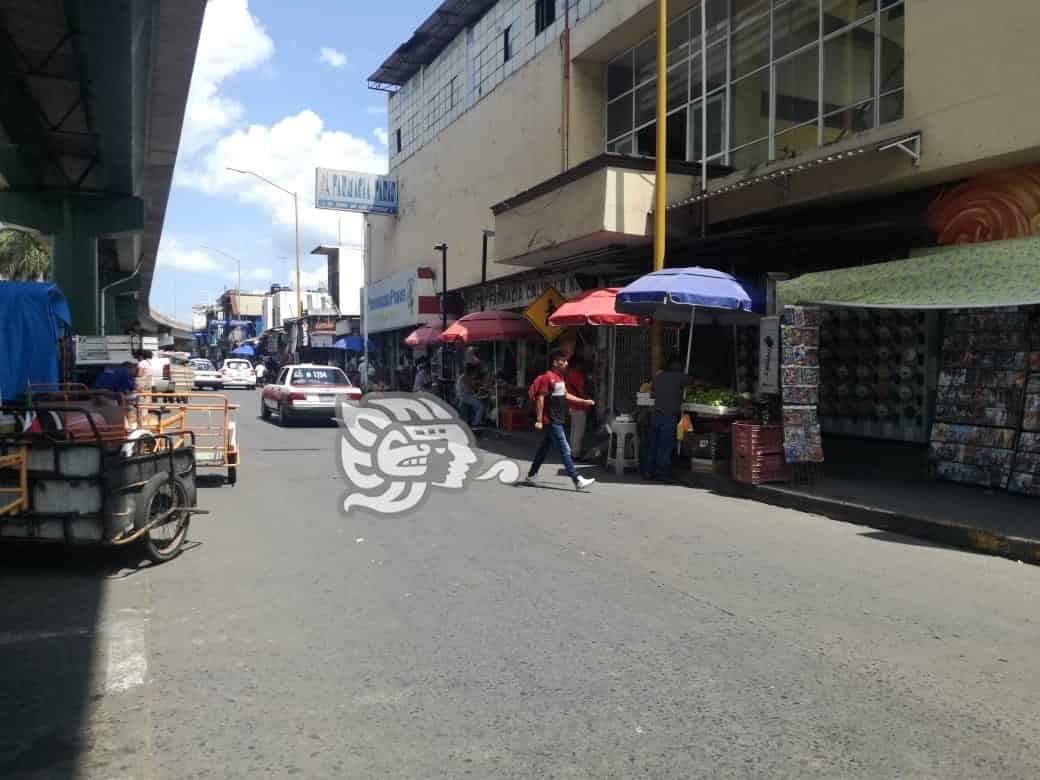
23 256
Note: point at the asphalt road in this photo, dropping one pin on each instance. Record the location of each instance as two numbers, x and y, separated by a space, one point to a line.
633 631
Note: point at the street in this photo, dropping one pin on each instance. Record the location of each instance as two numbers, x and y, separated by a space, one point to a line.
637 630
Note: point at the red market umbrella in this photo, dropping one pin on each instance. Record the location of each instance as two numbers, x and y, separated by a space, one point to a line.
490 326
424 336
593 307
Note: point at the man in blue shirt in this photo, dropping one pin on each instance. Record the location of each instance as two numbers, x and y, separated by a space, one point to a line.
117 379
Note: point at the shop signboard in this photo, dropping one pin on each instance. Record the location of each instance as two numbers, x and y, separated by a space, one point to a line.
322 339
401 301
769 355
520 293
539 312
367 193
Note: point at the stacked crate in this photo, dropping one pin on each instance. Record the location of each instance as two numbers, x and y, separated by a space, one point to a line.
758 454
982 386
1025 474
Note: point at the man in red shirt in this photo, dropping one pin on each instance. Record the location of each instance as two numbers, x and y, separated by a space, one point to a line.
551 398
577 385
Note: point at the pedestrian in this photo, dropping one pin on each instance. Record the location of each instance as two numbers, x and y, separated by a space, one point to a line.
668 387
577 383
549 391
261 372
470 407
422 377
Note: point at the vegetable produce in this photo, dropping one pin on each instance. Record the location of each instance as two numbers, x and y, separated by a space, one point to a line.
712 396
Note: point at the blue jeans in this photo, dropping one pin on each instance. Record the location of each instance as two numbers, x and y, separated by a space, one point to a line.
554 435
658 460
472 411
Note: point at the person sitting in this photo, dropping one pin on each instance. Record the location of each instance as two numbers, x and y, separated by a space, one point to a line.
470 407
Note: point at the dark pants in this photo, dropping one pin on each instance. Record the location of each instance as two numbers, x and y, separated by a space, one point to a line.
554 435
658 460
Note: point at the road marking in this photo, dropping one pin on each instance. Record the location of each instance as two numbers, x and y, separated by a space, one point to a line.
127 659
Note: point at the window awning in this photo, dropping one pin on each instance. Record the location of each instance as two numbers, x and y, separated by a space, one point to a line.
997 273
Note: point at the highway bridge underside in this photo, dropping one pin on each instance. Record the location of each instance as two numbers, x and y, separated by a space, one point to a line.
92 98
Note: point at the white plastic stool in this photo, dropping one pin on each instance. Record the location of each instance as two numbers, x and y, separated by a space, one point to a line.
623 451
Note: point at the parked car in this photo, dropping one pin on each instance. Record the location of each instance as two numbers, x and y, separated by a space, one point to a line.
306 391
206 375
236 372
171 373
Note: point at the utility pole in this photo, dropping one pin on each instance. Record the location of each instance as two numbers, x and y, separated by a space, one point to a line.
443 249
661 178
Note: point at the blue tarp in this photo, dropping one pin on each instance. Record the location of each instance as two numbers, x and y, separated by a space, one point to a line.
353 344
32 316
245 350
674 293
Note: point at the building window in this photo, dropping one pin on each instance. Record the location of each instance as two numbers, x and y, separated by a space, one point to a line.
398 134
507 44
544 14
777 78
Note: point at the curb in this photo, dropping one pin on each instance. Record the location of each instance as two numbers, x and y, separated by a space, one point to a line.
980 540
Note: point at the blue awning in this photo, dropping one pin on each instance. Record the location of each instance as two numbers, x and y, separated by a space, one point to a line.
244 350
353 344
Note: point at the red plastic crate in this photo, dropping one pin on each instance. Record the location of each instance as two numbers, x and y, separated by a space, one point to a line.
749 439
513 419
758 469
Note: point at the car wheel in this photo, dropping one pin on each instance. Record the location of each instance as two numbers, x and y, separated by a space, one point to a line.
283 418
265 413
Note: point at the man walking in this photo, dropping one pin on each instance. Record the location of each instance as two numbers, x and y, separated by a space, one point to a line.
550 399
577 385
668 394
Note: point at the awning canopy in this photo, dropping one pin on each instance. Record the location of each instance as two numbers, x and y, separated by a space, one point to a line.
593 307
998 273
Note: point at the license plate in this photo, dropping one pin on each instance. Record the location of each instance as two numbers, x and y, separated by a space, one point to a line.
326 397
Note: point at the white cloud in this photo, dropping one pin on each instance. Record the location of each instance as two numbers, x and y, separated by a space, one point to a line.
381 136
287 153
175 256
333 58
209 113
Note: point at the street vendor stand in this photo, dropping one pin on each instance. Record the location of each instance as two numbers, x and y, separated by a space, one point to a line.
693 296
494 327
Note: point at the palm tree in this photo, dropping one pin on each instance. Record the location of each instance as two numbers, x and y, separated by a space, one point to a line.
23 256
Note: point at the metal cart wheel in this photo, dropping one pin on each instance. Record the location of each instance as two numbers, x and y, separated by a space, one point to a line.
160 496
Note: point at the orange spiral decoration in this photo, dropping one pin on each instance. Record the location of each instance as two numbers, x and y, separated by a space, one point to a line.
992 207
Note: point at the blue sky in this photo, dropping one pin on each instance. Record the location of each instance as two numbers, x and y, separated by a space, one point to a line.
278 88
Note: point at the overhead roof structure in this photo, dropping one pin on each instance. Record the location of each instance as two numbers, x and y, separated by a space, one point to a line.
429 40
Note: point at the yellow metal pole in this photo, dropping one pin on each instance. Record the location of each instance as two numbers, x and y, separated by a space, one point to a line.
660 180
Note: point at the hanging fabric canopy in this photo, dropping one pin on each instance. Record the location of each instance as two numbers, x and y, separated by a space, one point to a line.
353 344
33 315
593 307
677 294
490 326
244 350
424 336
998 273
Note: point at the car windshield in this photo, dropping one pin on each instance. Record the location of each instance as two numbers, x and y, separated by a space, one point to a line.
202 365
319 376
237 365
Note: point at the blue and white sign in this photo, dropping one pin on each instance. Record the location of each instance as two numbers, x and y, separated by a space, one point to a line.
368 193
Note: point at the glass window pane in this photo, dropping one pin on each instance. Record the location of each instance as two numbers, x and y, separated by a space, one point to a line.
678 40
750 47
795 25
749 112
848 68
892 49
892 107
744 10
696 137
793 142
716 19
696 83
842 13
749 156
621 146
676 130
716 66
678 86
619 117
646 60
646 103
646 141
842 124
797 89
695 27
716 123
619 76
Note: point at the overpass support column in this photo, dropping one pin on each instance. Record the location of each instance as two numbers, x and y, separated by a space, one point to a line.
75 222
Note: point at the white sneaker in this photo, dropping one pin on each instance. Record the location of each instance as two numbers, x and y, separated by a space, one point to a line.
583 482
529 480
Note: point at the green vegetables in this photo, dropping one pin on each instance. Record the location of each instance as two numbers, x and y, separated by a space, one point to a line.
711 396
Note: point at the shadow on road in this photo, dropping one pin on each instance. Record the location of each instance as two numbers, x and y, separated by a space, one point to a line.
888 536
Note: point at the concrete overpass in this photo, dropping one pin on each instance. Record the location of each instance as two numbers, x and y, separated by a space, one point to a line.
92 100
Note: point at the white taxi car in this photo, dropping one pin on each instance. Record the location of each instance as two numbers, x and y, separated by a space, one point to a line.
237 372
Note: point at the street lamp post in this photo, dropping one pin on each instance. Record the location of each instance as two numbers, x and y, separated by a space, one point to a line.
296 215
238 263
443 249
483 268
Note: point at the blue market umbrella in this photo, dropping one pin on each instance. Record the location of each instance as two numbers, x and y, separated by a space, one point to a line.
353 344
244 350
691 294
